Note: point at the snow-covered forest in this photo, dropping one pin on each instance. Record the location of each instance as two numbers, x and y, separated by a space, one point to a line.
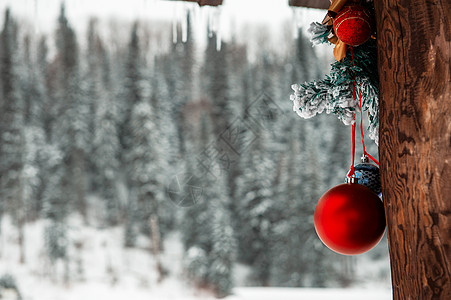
149 161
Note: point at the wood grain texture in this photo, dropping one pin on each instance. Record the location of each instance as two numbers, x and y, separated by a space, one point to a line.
322 4
414 45
204 2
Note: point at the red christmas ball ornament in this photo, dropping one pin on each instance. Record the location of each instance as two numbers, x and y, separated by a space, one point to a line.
352 25
350 219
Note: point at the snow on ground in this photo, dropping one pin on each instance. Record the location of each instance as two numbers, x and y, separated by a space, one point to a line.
101 269
309 294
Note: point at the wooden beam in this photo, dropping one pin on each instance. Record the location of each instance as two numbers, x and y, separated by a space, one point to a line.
204 2
414 49
322 4
210 2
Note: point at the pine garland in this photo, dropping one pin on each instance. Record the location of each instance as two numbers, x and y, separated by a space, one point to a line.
333 94
319 33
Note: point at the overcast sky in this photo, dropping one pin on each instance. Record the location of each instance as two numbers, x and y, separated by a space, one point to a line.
44 12
279 20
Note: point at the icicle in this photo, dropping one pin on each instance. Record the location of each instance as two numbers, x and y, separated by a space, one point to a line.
214 22
298 17
178 18
217 27
210 23
174 31
174 24
196 21
218 41
184 24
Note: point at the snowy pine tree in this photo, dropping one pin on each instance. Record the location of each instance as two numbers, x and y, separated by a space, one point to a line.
166 132
55 205
71 127
132 93
215 80
314 187
256 198
34 95
164 113
146 167
181 72
106 152
223 252
12 143
338 158
76 124
32 87
193 191
92 81
32 173
239 97
103 127
48 113
305 60
288 268
208 232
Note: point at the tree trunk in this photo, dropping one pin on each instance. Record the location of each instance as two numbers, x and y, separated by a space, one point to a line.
21 234
79 176
20 215
414 44
155 238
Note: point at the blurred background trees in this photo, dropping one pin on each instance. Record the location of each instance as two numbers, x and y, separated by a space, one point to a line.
97 129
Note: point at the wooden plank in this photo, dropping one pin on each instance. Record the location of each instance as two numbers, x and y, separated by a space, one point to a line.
204 2
322 4
414 49
210 2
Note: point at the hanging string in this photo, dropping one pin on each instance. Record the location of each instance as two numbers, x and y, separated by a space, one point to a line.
361 130
351 169
354 87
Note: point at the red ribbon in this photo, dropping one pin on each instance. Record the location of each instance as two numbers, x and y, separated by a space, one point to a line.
354 87
351 169
361 129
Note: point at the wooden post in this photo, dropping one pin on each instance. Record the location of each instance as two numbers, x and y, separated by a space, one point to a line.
414 45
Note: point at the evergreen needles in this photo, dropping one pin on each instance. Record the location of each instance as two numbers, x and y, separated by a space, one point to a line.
334 94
